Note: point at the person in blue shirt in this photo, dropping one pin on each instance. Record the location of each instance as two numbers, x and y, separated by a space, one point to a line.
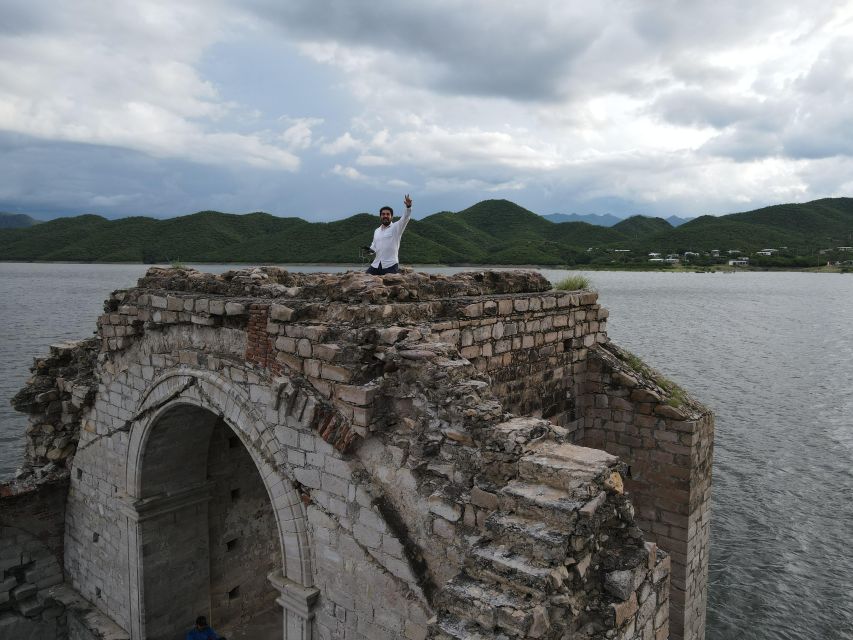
201 631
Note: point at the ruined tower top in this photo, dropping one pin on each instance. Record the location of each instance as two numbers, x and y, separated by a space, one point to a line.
469 450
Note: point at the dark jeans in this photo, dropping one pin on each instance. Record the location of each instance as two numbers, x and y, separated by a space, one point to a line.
381 271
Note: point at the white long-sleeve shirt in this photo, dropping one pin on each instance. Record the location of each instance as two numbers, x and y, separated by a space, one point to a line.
386 241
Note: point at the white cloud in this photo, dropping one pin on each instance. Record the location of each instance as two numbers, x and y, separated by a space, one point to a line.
125 75
351 173
298 135
341 144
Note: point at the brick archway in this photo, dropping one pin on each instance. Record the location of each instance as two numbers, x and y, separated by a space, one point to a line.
173 400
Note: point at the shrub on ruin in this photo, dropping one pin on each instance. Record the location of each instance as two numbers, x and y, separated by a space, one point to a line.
573 282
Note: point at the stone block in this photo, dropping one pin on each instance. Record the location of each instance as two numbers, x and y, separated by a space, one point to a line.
361 416
30 607
290 361
328 352
484 499
505 307
362 396
23 591
235 309
620 584
285 343
441 507
473 310
622 611
303 348
280 312
335 373
470 352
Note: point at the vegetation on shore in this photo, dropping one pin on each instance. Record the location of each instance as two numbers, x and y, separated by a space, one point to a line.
496 232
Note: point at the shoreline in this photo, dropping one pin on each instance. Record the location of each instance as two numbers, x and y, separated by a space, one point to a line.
639 268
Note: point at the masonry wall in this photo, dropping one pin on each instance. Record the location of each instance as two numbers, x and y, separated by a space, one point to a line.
531 347
667 440
30 561
244 547
354 552
374 413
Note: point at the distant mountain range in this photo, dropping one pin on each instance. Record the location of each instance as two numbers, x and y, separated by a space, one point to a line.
16 220
603 219
490 232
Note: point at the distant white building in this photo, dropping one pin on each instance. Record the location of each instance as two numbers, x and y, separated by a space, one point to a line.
654 255
656 259
688 254
844 248
739 262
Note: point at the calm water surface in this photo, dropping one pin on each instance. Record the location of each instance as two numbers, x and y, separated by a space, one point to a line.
771 353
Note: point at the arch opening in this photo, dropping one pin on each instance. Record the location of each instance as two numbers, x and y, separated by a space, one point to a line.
207 532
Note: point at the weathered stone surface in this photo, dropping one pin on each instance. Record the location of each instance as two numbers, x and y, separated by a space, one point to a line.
622 611
280 312
389 424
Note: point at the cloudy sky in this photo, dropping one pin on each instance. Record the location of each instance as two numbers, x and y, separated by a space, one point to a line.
327 108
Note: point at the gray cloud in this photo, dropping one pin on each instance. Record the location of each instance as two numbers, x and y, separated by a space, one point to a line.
472 49
694 107
650 106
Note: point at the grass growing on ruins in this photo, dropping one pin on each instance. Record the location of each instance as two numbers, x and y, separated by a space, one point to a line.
676 395
573 283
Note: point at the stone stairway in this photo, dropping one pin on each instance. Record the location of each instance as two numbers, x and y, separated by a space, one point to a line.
528 574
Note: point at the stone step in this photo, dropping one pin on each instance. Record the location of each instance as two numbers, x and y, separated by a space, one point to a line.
450 627
497 564
488 605
538 540
541 502
516 433
564 466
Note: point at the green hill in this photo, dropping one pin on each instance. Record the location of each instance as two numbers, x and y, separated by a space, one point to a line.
490 232
637 227
15 220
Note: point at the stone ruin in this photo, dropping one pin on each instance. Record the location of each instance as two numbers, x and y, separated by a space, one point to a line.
319 456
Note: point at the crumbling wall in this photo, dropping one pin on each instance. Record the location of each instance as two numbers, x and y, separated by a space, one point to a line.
356 560
376 411
62 385
667 438
31 522
531 347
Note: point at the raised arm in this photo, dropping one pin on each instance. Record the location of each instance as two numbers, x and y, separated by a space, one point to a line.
407 214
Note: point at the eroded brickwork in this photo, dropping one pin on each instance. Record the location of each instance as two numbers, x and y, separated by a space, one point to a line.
31 523
405 497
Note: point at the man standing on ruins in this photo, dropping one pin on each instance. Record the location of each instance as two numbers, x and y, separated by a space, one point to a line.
386 240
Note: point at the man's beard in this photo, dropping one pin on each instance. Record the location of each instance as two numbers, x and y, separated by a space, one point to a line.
386 223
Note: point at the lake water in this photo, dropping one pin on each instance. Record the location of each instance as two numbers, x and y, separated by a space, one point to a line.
771 353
